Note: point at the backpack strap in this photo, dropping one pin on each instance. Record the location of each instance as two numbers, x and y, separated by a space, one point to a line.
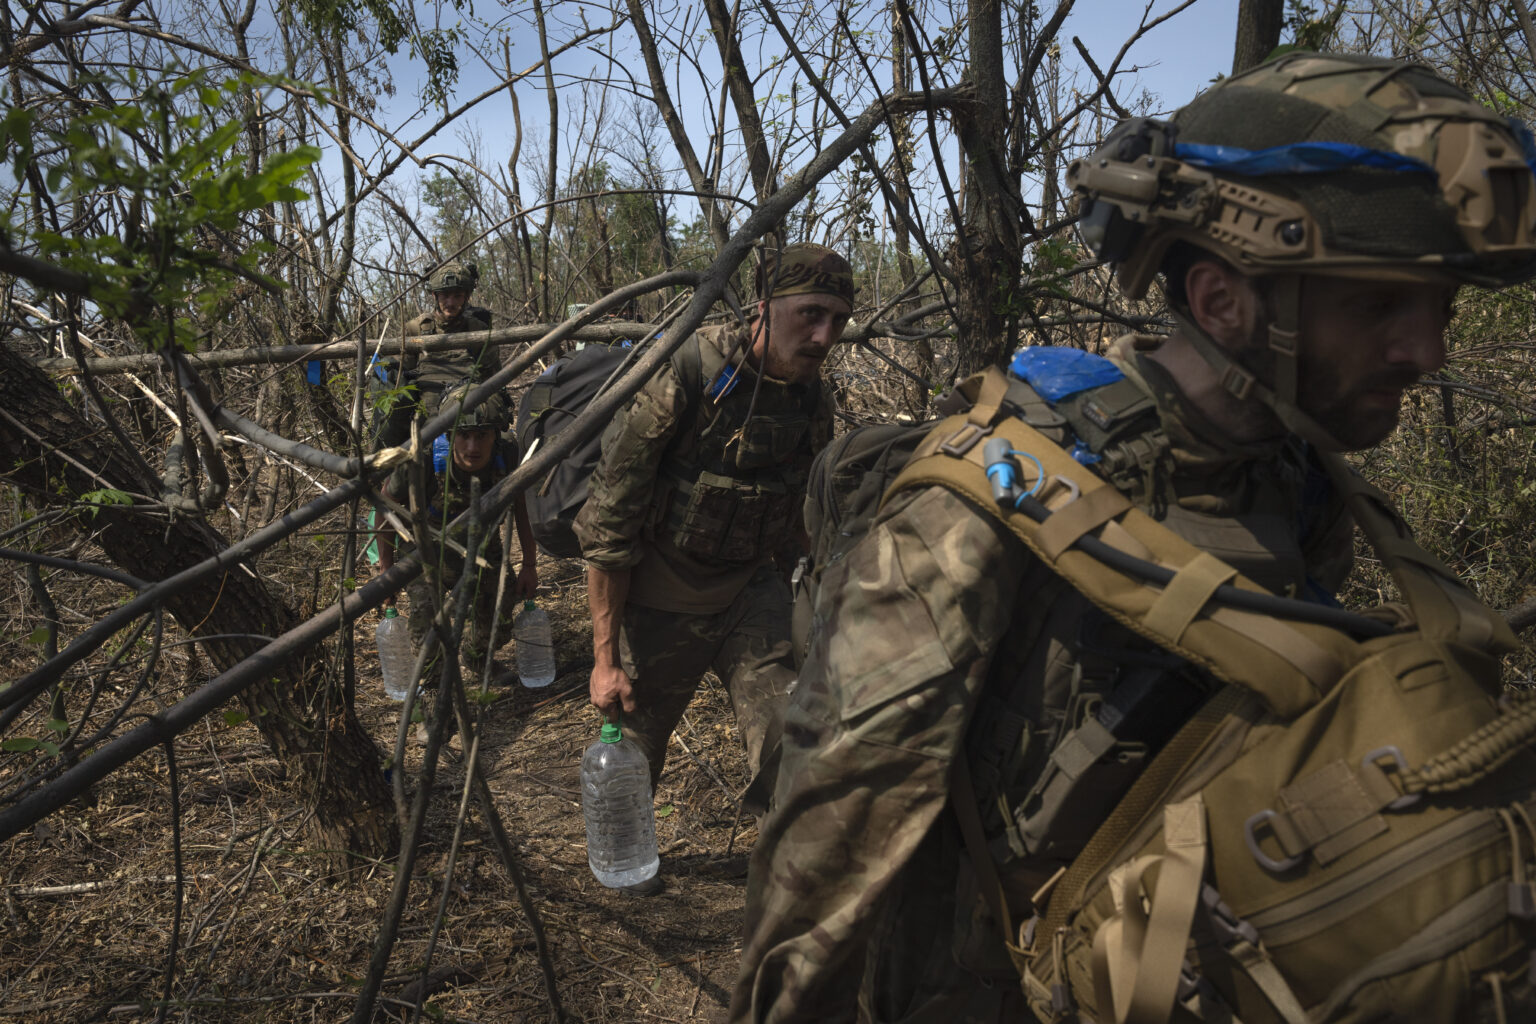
1137 956
1289 664
1444 609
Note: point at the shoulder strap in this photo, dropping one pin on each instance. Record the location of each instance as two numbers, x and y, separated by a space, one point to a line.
1289 664
1443 608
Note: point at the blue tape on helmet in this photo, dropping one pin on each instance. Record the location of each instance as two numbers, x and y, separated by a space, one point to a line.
440 450
1297 158
1527 141
1058 372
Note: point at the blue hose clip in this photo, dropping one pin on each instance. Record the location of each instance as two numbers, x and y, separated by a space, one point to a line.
1003 471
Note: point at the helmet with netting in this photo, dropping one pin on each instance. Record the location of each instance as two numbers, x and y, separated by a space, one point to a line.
1310 163
494 413
452 276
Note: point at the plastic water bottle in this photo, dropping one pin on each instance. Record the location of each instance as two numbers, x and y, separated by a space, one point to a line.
616 801
535 648
397 655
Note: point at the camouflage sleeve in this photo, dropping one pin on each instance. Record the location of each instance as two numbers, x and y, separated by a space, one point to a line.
623 486
908 625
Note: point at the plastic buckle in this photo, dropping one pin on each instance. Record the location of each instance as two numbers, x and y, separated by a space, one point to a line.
1237 382
1229 928
1407 799
1522 902
964 439
1056 480
1267 862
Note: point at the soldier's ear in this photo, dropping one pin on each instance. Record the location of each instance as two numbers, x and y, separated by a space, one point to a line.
1221 301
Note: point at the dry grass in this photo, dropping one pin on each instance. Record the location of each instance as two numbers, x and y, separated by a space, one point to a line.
89 893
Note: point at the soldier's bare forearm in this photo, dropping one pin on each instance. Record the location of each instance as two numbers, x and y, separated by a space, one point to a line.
607 592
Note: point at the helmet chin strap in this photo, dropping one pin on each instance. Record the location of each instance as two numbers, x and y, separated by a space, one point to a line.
1284 343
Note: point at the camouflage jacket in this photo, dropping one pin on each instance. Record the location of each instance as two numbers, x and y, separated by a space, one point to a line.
938 630
701 482
457 364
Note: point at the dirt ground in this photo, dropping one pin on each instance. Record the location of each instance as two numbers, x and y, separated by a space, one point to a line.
89 893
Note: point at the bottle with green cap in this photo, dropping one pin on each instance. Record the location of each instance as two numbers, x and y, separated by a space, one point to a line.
616 802
535 647
397 655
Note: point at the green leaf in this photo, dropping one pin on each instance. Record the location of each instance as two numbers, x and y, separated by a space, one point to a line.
233 718
19 744
665 811
38 636
58 725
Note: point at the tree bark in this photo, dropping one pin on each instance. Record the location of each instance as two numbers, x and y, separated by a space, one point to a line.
332 763
1258 32
990 250
739 84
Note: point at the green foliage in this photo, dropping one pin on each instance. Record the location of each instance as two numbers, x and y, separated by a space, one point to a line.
105 496
172 154
22 744
1307 28
435 47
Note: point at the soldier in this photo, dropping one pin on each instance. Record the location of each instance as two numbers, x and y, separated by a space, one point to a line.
450 285
1311 220
472 450
699 484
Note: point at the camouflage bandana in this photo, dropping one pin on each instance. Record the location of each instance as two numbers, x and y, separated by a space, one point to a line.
804 269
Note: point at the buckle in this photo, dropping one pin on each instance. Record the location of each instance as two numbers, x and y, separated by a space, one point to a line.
1237 382
964 439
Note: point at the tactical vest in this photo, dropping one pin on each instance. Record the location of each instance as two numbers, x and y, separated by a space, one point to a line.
736 473
434 372
1268 786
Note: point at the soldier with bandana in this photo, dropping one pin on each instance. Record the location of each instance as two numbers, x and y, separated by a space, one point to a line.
699 485
1312 220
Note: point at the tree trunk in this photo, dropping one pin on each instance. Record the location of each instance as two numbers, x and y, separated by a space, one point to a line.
332 763
990 249
1258 32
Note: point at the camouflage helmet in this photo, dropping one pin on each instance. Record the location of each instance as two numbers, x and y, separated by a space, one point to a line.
494 413
453 275
1356 166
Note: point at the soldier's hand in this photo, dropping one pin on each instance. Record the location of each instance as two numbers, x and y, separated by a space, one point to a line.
527 580
611 688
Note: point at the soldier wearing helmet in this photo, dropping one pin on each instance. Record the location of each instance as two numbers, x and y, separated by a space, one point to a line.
429 375
1310 221
473 450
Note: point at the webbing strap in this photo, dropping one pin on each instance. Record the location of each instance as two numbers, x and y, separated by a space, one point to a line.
1320 667
1145 794
994 386
965 806
1066 525
1442 607
1478 913
1137 956
1260 968
1186 594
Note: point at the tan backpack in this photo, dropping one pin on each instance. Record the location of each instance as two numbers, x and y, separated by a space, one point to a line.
1344 832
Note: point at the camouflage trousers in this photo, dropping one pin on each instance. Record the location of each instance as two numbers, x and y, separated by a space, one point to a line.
747 645
475 647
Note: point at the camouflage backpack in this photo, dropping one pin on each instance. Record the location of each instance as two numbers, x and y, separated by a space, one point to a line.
1342 832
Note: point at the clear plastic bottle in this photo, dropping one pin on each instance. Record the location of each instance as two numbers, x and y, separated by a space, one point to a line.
535 647
616 802
397 655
